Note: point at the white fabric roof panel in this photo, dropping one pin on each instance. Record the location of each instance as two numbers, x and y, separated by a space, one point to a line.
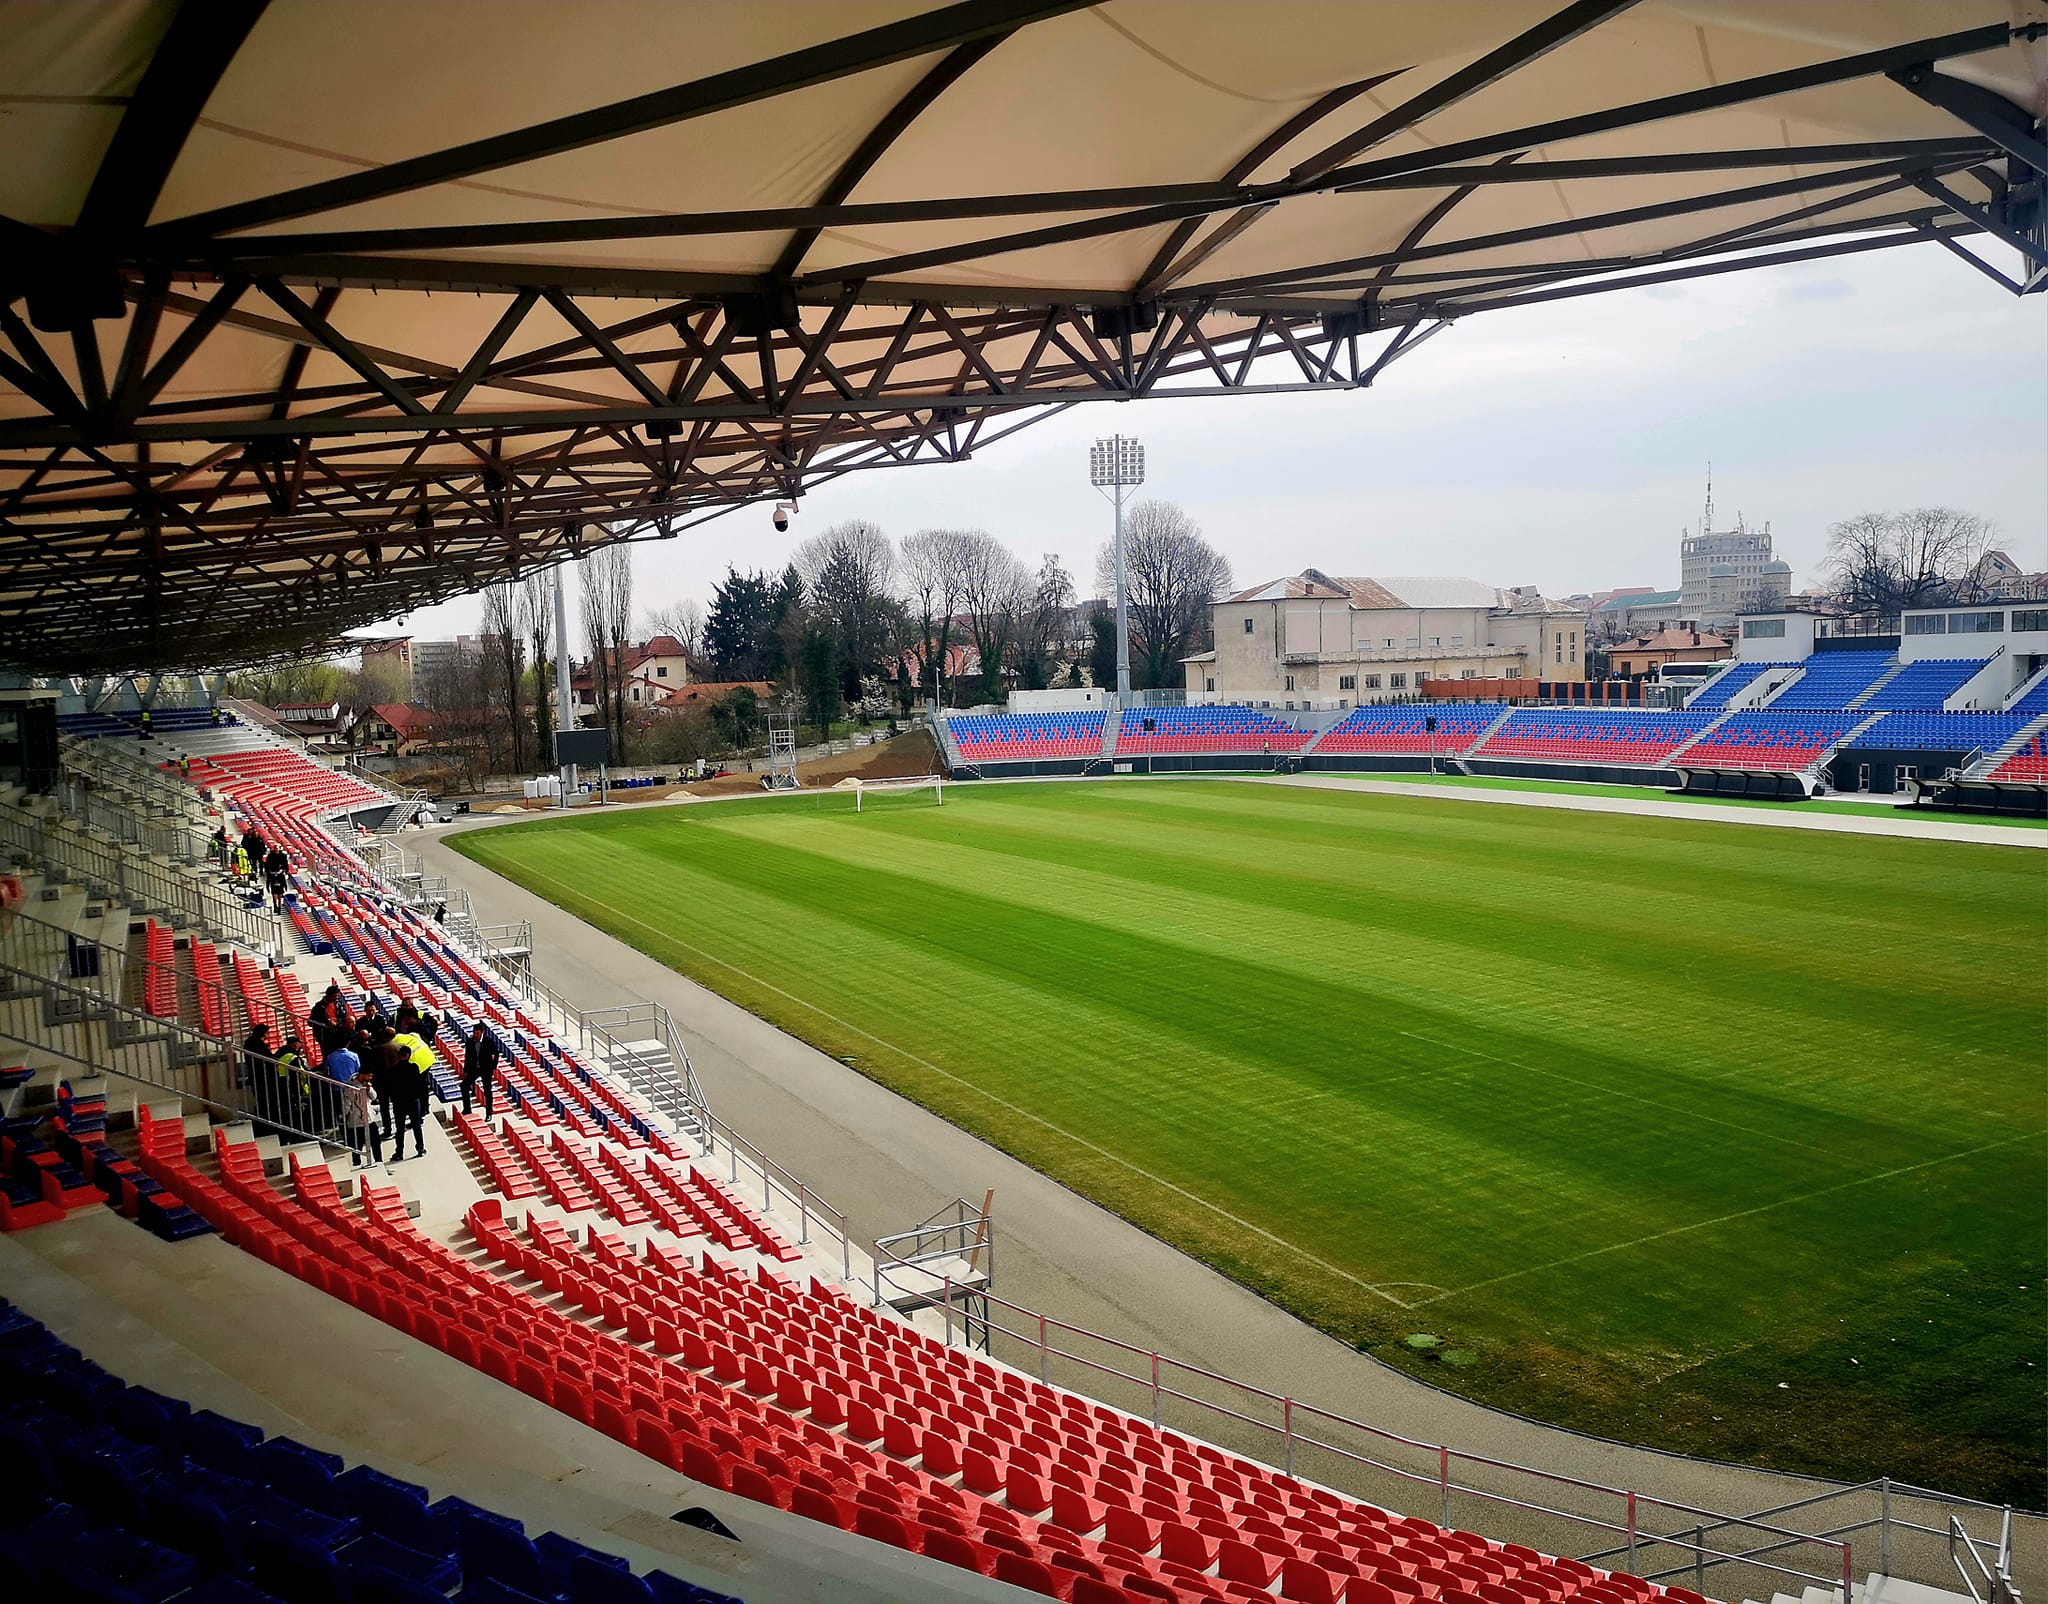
523 308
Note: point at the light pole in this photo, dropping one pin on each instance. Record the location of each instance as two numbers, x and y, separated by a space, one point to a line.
1116 465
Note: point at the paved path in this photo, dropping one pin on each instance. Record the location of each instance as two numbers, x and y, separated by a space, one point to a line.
1787 816
889 1163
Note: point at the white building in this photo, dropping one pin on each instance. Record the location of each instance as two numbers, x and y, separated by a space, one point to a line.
1314 640
1728 572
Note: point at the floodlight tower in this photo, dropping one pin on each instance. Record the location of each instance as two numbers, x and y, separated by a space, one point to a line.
1116 465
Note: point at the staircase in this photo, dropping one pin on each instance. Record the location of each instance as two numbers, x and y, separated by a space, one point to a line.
1671 760
1862 699
1112 722
1875 1590
1815 773
640 1045
1990 760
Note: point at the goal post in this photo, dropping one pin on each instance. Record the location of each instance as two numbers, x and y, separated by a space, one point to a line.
916 787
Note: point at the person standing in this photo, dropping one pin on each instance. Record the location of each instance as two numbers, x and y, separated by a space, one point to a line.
252 842
239 865
414 1072
384 1075
480 1064
276 876
258 1066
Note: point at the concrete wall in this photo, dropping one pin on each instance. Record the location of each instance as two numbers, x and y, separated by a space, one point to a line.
1794 642
1077 699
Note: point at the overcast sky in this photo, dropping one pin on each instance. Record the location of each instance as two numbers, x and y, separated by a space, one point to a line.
1564 446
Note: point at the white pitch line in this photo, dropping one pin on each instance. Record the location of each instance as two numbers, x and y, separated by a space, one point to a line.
1723 1219
982 1091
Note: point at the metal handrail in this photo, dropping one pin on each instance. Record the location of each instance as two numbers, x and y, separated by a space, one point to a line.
173 1057
133 879
1156 1378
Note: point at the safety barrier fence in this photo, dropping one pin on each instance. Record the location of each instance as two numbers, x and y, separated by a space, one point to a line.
1641 1533
130 877
81 1025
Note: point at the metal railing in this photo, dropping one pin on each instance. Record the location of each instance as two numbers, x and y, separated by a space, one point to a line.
1996 1575
1548 1509
135 880
132 820
1917 1529
104 1036
104 763
673 1091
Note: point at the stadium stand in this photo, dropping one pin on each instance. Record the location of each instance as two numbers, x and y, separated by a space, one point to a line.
2029 763
1770 738
1832 681
1927 685
1943 732
1593 735
786 1389
115 1492
2035 702
800 1397
284 782
1190 731
1713 696
1001 737
1394 731
128 724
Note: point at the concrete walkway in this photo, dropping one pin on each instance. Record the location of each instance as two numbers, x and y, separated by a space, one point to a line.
1786 816
889 1163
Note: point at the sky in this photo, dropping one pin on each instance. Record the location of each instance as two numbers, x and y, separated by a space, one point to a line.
1564 446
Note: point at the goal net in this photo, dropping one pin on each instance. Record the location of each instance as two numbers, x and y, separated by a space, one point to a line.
914 791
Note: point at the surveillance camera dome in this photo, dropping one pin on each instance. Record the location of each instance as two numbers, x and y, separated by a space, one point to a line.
781 518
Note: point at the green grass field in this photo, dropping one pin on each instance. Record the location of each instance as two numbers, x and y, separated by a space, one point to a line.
1724 1139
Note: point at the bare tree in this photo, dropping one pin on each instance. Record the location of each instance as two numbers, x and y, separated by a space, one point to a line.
994 590
847 571
1043 630
537 619
683 620
1172 575
608 626
505 645
934 579
1881 562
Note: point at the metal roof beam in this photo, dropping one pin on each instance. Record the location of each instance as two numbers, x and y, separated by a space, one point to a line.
914 36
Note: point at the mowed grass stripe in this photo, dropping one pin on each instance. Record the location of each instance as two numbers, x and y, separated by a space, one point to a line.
1237 1073
1672 1109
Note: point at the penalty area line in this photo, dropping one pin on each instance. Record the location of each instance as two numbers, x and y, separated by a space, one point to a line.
1000 1102
1723 1219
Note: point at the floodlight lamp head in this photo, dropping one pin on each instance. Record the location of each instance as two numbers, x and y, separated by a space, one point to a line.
1118 460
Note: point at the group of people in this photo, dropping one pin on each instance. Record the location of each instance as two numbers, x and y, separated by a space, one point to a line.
253 861
364 1060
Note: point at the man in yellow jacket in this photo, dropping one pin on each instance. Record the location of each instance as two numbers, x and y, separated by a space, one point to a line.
412 1106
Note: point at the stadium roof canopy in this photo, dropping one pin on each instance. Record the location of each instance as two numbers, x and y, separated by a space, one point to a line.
312 312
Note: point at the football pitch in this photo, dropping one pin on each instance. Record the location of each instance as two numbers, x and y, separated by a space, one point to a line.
1723 1139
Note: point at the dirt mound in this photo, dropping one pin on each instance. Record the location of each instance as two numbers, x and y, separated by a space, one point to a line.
894 759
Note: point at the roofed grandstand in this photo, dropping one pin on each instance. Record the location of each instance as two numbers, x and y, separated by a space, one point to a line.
712 1343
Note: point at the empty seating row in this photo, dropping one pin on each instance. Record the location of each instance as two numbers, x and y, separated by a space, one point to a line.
1190 731
806 1400
1943 732
1393 730
996 737
1927 685
114 1492
1593 735
2029 763
2035 702
92 726
1833 680
1771 739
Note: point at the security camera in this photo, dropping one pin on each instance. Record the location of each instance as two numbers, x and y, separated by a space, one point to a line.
784 511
